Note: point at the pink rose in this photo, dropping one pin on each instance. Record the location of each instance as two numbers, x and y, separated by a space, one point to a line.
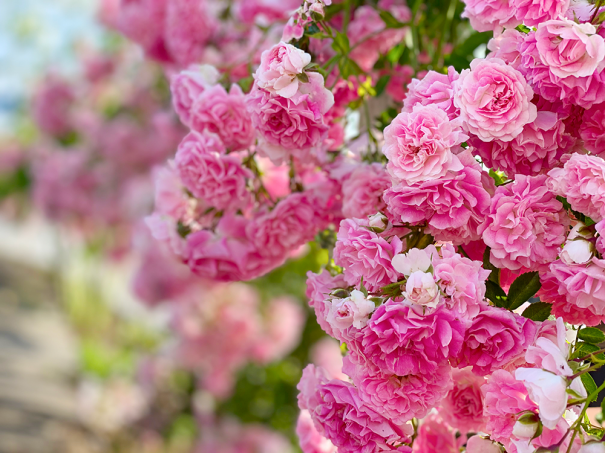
279 69
582 182
401 340
505 46
351 311
188 85
287 128
170 199
399 398
433 88
568 48
535 150
495 338
362 253
264 12
319 287
188 29
51 106
223 114
362 190
490 15
421 289
592 129
504 398
435 436
218 180
536 12
527 225
478 444
341 417
454 205
462 408
494 100
421 145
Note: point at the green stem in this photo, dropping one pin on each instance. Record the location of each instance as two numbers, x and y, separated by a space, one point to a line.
578 422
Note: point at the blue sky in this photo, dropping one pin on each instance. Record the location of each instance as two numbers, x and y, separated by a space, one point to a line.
35 36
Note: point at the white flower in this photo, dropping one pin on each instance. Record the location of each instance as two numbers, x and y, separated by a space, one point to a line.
414 260
577 251
548 391
351 311
421 289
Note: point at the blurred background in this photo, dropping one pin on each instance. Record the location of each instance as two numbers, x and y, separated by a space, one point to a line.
106 343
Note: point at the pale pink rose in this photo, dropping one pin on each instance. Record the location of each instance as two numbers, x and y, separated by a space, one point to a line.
537 149
582 182
494 100
495 338
435 436
310 440
478 444
326 353
364 254
462 408
569 49
188 29
362 190
593 447
548 391
527 225
454 205
592 129
421 145
223 114
572 90
170 198
188 85
218 180
275 178
415 260
461 280
551 356
534 12
433 88
352 311
287 128
490 15
577 251
400 398
505 46
421 289
504 398
279 69
319 287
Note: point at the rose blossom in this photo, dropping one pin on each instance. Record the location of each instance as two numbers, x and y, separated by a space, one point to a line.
462 408
534 12
505 46
287 128
399 398
224 114
592 129
319 287
577 251
364 254
352 311
478 444
435 436
535 150
582 182
341 417
462 281
496 338
569 49
593 447
434 88
400 340
218 180
415 260
490 15
420 145
188 85
311 441
454 205
362 190
421 289
551 356
494 100
504 398
279 69
527 224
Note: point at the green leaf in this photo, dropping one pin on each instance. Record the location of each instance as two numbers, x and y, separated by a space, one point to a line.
390 20
523 29
589 383
522 289
382 84
603 407
303 77
538 311
341 43
585 349
494 276
591 335
495 294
